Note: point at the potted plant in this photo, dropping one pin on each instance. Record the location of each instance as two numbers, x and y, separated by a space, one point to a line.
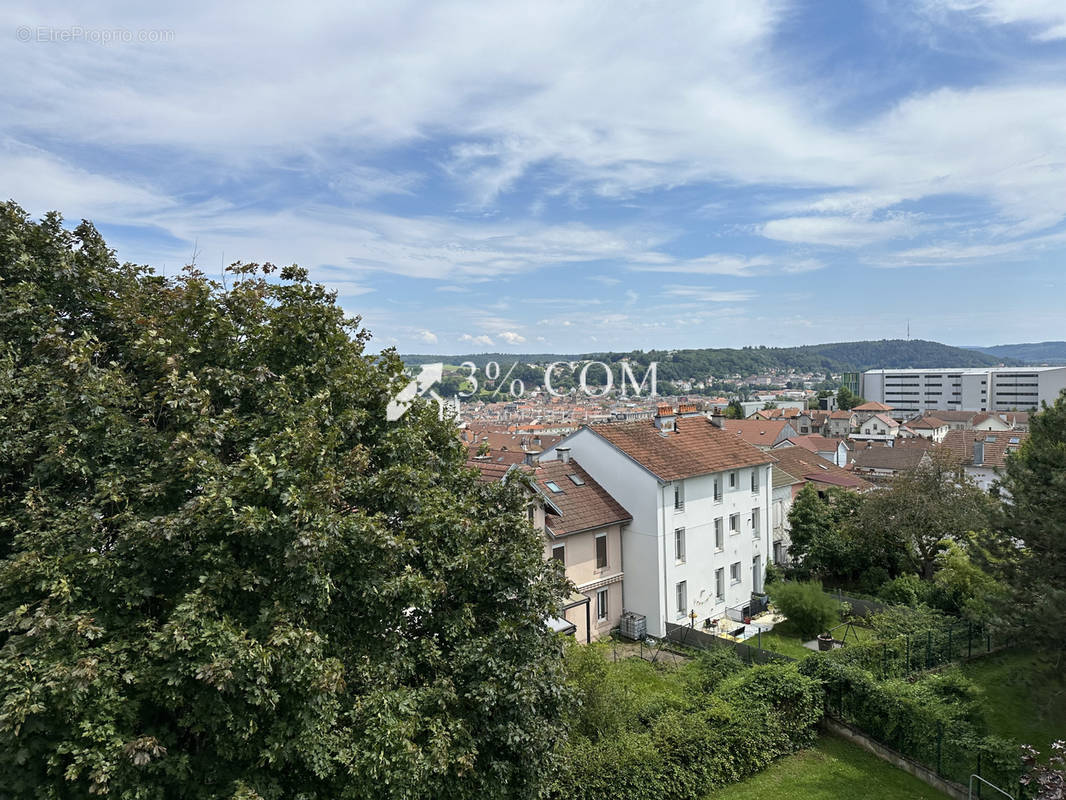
825 641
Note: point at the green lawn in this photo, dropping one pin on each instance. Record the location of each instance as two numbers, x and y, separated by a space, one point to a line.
1025 696
782 639
833 770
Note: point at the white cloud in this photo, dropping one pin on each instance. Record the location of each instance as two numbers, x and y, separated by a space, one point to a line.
428 337
705 294
482 340
836 231
512 338
1048 17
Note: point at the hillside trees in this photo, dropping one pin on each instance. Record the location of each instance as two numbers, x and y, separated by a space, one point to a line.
223 573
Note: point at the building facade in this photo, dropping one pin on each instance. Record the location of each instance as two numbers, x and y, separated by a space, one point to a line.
699 497
913 391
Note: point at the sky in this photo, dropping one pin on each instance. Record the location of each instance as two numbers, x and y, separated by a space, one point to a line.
570 177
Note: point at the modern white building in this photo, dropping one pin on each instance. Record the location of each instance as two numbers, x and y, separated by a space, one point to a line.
699 497
914 391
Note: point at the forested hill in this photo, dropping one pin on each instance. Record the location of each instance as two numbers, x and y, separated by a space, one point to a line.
723 362
1029 352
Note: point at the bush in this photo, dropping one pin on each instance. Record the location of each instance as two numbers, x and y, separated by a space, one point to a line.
709 724
906 590
810 609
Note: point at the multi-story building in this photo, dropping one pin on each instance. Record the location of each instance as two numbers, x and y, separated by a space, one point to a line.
914 391
699 497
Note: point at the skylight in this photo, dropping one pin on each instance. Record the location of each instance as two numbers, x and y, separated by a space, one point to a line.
553 486
1015 440
577 479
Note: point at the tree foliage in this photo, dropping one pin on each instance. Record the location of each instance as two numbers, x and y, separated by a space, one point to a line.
925 509
223 573
807 607
1035 518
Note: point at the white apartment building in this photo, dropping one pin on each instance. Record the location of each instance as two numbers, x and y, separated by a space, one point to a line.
914 391
699 497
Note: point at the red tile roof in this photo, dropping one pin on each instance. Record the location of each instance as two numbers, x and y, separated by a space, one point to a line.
873 405
815 443
583 506
807 466
695 447
756 431
996 445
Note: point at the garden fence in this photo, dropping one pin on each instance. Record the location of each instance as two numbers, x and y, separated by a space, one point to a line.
700 640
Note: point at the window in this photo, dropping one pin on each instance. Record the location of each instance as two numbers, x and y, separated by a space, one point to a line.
559 553
755 522
601 551
577 480
732 480
679 544
719 584
734 523
601 605
755 480
553 486
679 496
719 534
681 591
734 572
717 490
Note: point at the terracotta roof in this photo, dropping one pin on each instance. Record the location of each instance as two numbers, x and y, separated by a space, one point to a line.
489 470
926 423
954 416
815 443
896 458
584 505
764 432
873 405
840 414
805 466
885 420
695 447
995 445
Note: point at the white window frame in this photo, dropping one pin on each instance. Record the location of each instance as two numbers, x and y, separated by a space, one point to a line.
756 520
717 489
719 584
681 598
734 569
602 605
680 545
559 547
719 534
733 479
679 496
756 484
734 524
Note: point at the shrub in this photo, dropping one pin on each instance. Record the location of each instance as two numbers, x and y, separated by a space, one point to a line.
906 590
711 667
806 605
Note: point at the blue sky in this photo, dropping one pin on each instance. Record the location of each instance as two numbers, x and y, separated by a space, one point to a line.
565 177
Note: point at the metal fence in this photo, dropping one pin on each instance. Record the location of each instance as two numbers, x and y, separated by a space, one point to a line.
908 654
700 640
953 757
745 611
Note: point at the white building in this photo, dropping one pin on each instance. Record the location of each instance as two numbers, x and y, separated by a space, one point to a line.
699 539
913 391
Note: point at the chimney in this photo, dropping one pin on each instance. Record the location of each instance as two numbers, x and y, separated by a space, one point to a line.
978 453
664 418
564 454
717 418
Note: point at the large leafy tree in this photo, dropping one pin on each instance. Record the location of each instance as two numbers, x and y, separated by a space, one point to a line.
823 534
1035 524
223 573
925 509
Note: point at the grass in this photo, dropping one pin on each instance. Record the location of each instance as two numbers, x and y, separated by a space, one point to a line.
1024 696
832 770
783 639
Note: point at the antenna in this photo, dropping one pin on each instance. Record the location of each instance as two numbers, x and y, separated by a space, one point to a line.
908 330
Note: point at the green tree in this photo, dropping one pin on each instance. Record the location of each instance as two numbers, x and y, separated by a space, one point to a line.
847 400
807 607
734 410
1035 517
224 573
925 509
824 539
